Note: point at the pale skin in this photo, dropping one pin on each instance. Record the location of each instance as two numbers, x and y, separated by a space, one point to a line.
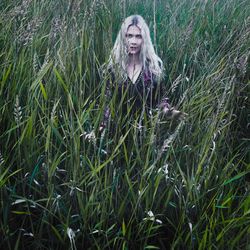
134 42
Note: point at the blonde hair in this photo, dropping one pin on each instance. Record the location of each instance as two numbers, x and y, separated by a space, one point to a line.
118 58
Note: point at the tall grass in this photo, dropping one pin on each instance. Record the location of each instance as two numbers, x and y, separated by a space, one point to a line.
147 184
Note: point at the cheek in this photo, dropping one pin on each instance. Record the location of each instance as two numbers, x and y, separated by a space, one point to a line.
126 42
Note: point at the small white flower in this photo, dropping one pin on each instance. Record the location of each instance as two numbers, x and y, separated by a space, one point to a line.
158 221
150 213
90 136
152 217
164 170
29 234
71 234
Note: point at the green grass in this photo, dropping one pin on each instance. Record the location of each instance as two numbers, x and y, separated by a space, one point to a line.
167 185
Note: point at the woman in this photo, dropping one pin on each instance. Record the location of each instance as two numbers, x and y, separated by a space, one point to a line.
135 72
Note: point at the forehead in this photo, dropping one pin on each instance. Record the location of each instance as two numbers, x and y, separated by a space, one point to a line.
134 30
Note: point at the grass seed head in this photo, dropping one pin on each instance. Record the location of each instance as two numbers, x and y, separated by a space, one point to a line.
56 28
18 111
35 63
241 64
27 33
21 10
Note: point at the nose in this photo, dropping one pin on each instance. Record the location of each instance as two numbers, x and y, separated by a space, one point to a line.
133 40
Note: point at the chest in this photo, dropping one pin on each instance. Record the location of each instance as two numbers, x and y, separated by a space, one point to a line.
141 89
134 73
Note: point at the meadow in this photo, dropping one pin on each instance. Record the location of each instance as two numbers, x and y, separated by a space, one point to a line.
165 184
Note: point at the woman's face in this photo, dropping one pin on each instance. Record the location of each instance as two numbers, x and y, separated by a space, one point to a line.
133 40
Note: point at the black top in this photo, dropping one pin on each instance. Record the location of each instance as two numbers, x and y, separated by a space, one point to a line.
143 95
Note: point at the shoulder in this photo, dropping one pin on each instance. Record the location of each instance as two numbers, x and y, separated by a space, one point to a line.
106 74
149 76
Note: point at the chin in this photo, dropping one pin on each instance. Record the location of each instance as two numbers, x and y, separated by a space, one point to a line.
134 52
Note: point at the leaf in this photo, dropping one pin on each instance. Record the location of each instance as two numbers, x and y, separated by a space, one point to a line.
220 206
20 212
234 178
151 247
61 81
43 91
123 228
56 233
40 76
36 169
3 179
4 78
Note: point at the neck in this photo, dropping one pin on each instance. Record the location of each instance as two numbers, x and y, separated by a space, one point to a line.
134 60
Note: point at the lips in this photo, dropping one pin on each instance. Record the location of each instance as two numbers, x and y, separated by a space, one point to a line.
133 48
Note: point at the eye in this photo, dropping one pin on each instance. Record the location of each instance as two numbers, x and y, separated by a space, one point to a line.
129 35
139 36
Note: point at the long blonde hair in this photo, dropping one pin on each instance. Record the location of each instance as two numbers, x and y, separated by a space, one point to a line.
118 58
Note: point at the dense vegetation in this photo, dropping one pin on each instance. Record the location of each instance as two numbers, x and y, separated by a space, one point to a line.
157 185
